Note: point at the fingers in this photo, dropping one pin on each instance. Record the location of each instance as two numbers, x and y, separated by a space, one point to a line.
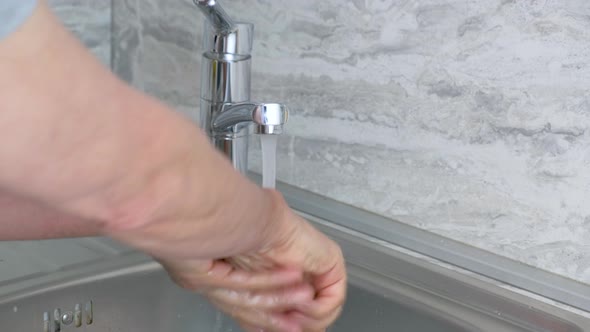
260 320
329 300
296 283
330 294
322 261
307 248
322 312
251 263
273 300
300 304
200 275
224 275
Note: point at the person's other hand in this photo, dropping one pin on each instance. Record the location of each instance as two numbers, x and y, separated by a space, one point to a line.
294 281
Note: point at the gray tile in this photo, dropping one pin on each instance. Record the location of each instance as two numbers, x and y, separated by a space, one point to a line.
467 119
90 21
156 48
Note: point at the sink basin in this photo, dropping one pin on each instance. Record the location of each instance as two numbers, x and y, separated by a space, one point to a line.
368 311
143 299
390 290
400 279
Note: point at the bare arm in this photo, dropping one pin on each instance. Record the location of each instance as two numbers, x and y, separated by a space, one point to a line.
84 143
23 218
84 154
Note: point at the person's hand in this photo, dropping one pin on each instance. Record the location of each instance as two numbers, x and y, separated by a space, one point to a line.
252 298
294 281
236 243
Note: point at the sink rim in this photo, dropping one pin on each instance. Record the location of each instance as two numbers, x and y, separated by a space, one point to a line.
476 293
456 296
511 273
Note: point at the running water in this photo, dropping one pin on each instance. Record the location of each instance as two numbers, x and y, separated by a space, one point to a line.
268 145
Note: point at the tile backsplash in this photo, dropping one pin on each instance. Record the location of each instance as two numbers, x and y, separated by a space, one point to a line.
469 119
89 20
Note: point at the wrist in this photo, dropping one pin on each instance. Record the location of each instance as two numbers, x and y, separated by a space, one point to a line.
279 225
198 206
251 218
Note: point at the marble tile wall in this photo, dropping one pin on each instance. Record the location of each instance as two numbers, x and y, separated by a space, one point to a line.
469 119
89 20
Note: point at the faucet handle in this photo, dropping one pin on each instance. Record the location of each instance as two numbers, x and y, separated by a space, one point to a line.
222 34
218 18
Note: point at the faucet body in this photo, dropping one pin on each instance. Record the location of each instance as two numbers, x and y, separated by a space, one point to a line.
227 114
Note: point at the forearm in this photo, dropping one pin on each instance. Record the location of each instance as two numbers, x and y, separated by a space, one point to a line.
84 143
24 219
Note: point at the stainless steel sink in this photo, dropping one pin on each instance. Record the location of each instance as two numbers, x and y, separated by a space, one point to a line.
401 279
390 290
142 299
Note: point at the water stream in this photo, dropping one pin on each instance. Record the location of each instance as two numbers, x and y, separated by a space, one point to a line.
269 160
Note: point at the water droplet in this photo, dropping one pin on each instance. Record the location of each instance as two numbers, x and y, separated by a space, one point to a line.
15 309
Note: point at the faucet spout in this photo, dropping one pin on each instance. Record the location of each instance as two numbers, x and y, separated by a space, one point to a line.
268 118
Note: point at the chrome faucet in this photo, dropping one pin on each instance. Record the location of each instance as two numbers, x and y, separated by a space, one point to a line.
227 114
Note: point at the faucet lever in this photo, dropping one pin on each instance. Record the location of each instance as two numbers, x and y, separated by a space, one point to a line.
218 18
